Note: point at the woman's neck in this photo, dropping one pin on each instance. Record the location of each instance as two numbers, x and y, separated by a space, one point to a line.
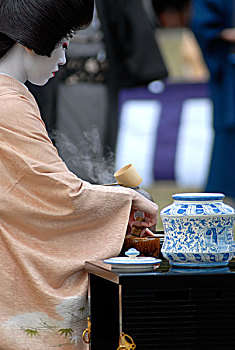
12 63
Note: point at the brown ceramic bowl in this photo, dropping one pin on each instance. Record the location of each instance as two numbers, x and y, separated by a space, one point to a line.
147 246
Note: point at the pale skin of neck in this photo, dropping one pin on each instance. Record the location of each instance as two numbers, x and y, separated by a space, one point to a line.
13 63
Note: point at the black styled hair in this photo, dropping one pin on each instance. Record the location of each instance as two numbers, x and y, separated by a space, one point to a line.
41 24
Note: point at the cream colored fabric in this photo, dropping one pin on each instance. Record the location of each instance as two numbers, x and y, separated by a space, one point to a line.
51 222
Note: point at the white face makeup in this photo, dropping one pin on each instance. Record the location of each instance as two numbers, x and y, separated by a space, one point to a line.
40 69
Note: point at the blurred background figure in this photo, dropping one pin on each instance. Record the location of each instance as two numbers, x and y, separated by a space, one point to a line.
172 13
213 22
132 51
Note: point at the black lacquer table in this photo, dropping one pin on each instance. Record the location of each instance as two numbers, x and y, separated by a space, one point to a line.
164 309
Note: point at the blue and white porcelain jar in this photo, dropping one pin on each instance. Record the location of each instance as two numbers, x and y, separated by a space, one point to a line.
198 230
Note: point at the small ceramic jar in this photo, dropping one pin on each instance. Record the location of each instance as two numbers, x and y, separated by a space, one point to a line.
198 230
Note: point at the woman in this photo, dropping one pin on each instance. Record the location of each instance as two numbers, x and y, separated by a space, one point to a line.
51 221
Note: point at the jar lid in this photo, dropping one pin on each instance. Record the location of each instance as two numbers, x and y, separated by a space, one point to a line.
198 196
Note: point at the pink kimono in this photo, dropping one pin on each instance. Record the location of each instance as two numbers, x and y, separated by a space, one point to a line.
51 222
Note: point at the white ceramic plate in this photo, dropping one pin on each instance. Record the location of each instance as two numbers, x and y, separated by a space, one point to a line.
140 263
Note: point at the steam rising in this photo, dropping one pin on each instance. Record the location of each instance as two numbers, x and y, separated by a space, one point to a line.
86 158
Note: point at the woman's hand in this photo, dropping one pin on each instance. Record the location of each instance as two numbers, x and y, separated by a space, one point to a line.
149 217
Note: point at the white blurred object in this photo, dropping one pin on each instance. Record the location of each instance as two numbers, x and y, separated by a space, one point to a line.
194 143
137 137
156 87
